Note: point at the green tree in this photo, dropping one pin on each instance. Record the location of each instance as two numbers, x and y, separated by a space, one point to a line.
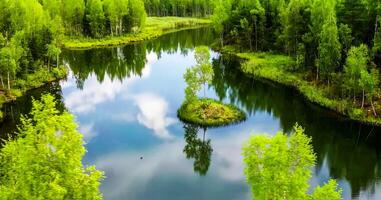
204 67
193 84
279 167
221 16
369 82
329 48
329 191
53 51
295 22
74 12
137 15
200 74
377 37
345 35
44 162
356 64
95 16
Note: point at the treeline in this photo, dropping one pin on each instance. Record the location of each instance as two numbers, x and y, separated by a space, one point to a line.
338 42
31 31
181 8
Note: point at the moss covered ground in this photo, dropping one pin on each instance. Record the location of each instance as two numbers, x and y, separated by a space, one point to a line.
210 113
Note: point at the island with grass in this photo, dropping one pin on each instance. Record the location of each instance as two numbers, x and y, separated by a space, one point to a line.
204 111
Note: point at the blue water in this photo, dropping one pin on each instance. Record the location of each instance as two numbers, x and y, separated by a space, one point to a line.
125 101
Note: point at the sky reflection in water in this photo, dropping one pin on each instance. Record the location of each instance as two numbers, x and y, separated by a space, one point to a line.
125 100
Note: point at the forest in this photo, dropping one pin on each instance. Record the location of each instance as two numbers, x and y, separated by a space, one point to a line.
335 45
195 68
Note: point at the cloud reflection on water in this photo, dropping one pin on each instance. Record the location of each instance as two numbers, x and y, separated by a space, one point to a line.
153 111
166 165
94 93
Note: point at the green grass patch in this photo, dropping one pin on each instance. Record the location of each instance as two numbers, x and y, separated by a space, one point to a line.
210 113
278 68
155 27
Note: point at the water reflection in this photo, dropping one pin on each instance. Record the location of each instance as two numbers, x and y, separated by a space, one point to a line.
350 150
198 149
23 106
153 111
125 101
129 61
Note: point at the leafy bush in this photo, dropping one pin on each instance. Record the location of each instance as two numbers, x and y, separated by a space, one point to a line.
45 161
279 167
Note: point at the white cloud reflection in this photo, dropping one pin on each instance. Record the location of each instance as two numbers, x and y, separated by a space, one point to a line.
153 111
87 131
128 175
94 93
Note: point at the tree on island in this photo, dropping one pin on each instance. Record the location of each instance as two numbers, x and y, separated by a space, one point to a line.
199 75
205 112
279 167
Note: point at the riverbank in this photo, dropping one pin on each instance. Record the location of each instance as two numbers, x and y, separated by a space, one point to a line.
31 81
155 27
279 68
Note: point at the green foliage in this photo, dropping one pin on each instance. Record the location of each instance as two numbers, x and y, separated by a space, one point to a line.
180 8
329 47
329 191
199 150
345 35
209 113
193 84
200 74
276 68
44 162
96 17
155 27
280 167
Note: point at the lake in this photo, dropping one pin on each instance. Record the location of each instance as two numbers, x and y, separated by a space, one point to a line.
125 101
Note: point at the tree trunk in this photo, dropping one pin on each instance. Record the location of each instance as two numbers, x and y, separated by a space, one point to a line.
317 73
363 98
9 84
49 64
374 110
256 36
2 82
222 38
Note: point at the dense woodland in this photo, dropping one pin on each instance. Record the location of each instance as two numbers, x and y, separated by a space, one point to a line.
31 31
334 42
192 8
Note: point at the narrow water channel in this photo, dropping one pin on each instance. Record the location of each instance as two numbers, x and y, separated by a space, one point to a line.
125 101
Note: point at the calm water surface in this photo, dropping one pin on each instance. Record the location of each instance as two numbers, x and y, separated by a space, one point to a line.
125 101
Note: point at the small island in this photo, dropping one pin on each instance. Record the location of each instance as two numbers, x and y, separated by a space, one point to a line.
205 112
210 113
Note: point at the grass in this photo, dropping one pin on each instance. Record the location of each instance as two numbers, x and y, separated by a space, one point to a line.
30 81
155 27
278 68
210 113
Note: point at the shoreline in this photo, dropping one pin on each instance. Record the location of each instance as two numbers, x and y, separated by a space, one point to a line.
36 80
252 67
155 27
